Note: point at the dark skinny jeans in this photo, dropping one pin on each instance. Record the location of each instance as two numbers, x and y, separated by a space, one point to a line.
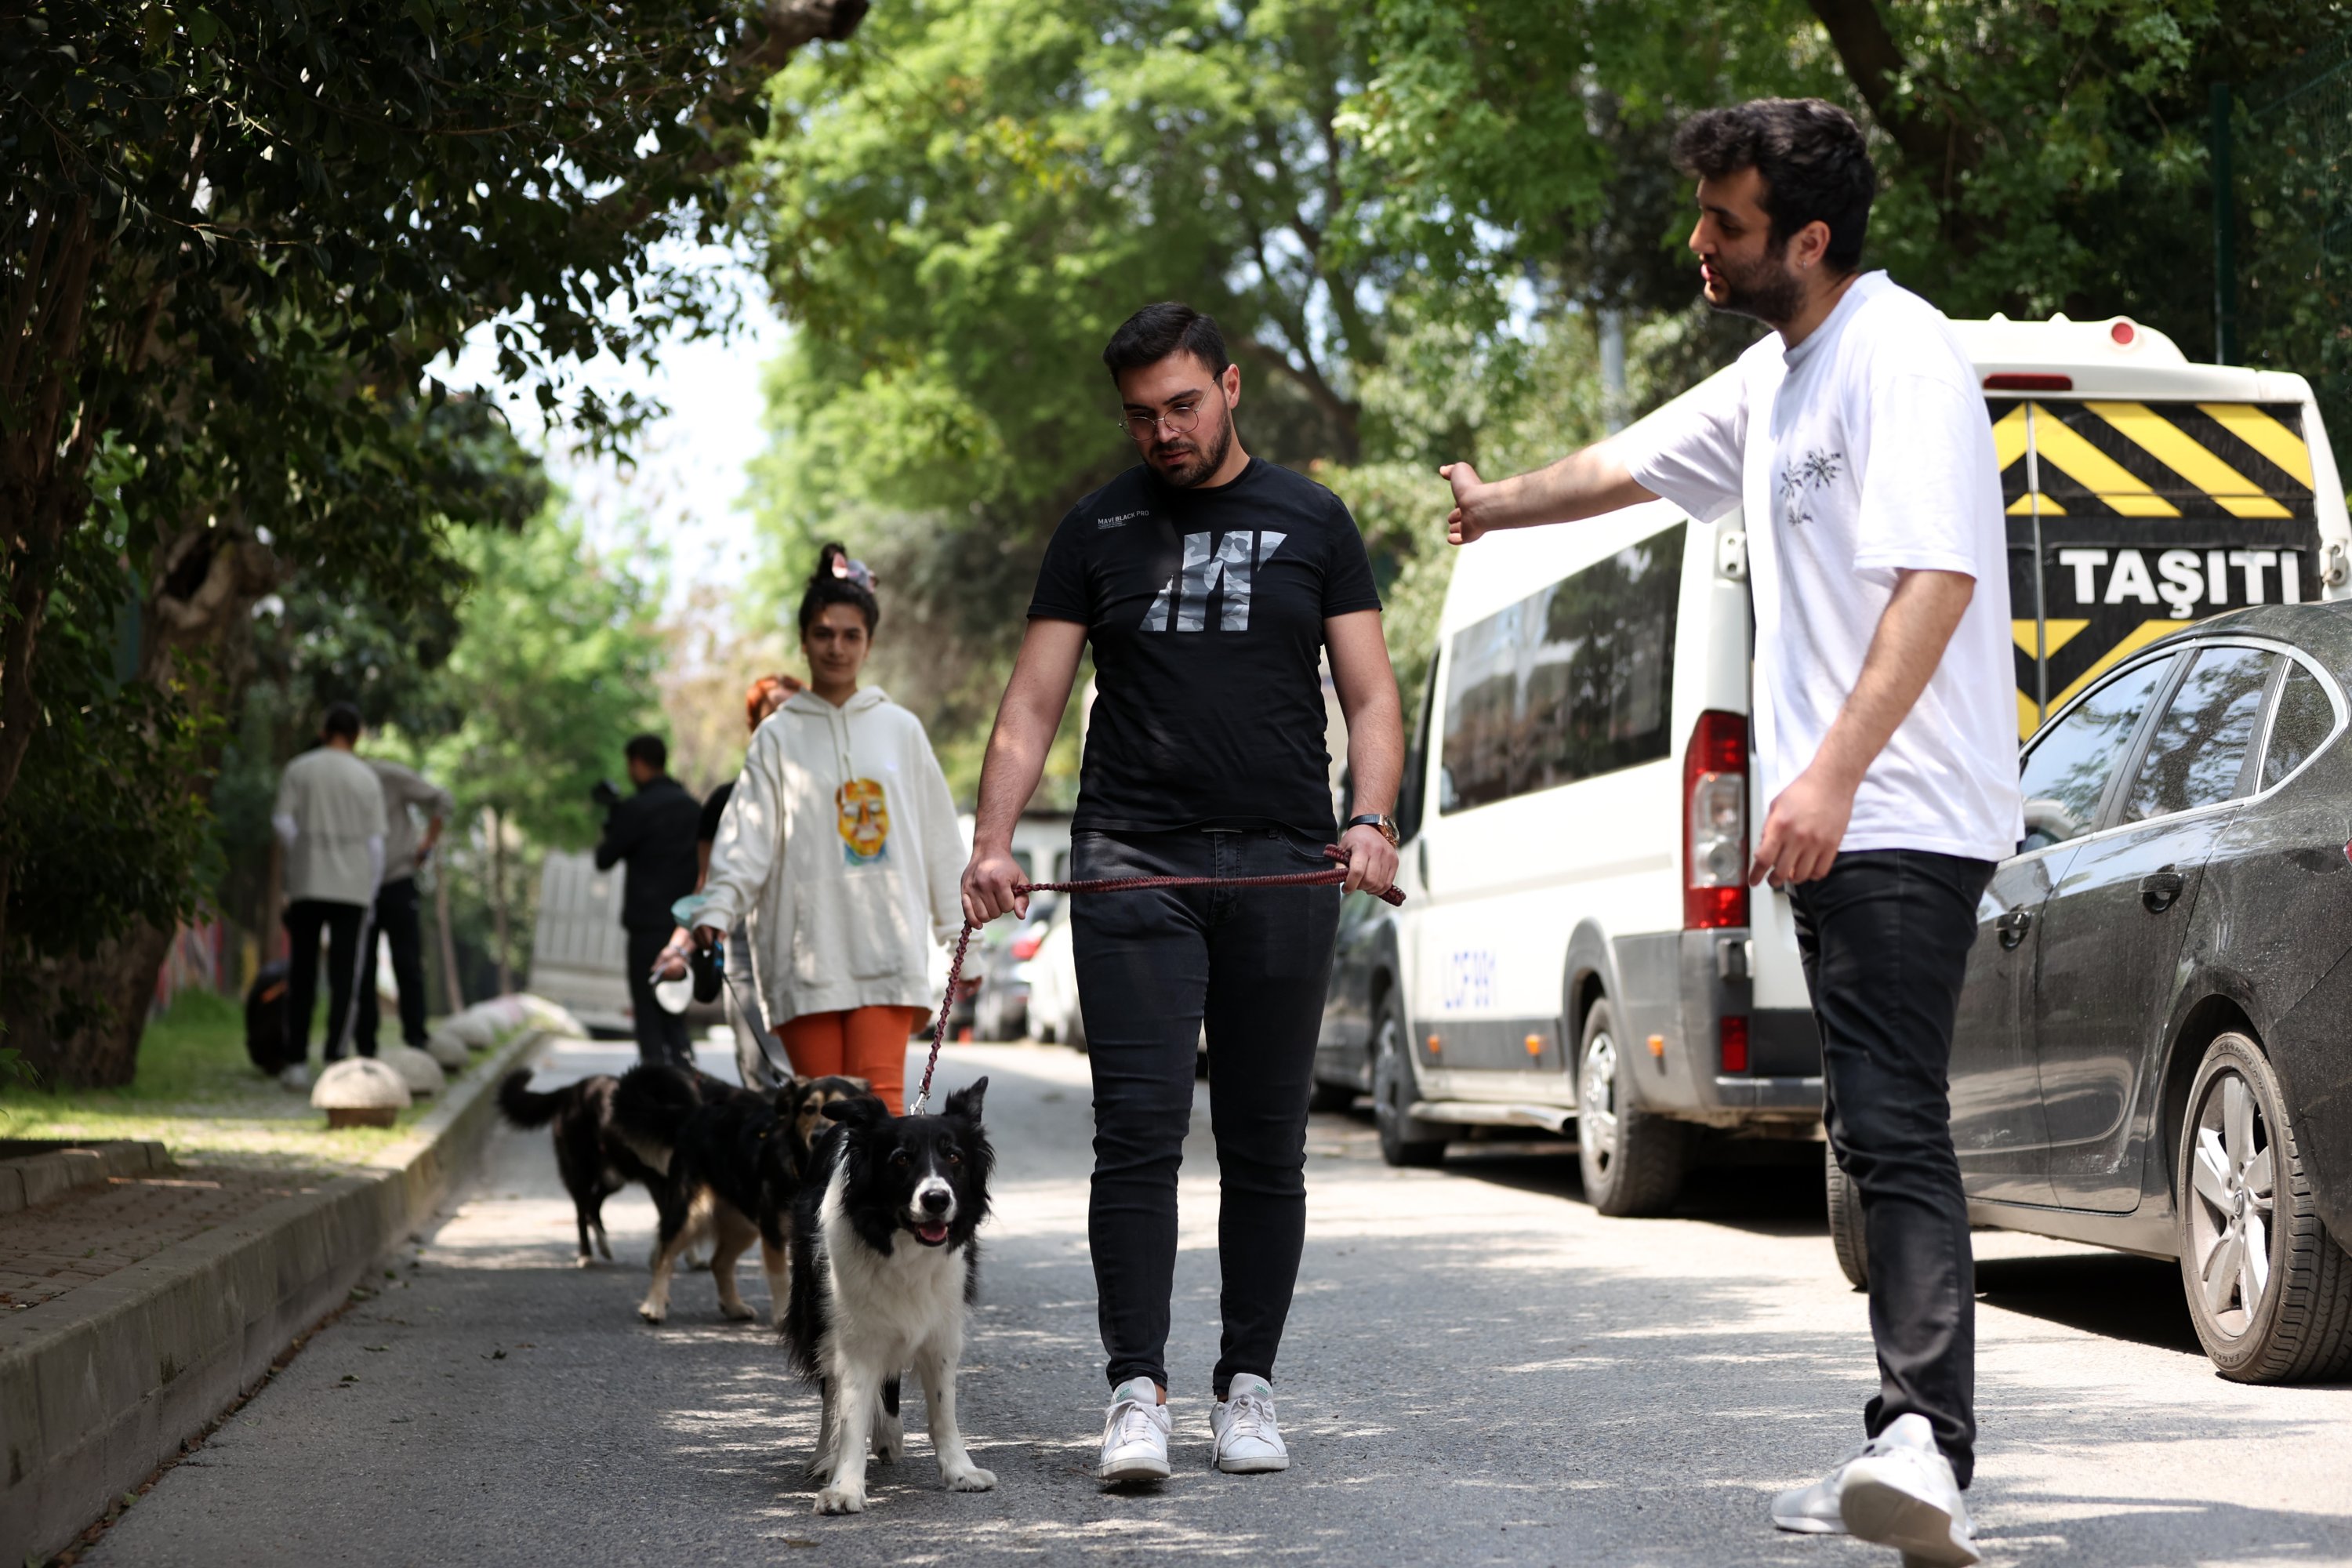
1884 938
1153 967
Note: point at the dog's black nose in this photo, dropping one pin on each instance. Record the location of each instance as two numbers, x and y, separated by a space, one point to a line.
936 1201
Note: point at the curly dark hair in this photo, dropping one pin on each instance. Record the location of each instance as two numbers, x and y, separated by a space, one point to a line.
1812 155
838 579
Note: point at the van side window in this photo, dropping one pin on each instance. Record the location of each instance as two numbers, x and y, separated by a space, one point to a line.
1417 759
2304 718
2068 769
2197 752
1573 681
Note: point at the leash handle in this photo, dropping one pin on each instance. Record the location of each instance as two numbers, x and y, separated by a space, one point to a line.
1330 878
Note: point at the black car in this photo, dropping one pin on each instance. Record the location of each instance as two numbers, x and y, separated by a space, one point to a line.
2151 1051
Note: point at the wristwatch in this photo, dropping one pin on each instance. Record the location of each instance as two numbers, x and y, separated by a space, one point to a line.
1374 819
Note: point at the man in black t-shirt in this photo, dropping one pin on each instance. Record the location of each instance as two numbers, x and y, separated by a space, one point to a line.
1210 585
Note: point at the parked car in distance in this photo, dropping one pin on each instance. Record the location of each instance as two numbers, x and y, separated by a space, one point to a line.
1054 1014
2151 1052
1009 948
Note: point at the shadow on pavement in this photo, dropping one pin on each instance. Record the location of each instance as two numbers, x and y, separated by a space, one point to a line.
2117 1295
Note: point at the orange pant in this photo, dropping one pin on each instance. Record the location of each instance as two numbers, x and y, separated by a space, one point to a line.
863 1042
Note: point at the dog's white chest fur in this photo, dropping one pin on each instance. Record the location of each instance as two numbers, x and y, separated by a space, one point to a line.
886 1304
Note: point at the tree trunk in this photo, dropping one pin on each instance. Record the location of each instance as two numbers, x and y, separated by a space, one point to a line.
78 1020
499 898
451 985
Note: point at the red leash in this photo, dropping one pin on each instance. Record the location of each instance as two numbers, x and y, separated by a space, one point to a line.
1331 878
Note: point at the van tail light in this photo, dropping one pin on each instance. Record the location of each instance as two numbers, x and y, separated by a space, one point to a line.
1732 1028
2027 381
1714 823
1025 947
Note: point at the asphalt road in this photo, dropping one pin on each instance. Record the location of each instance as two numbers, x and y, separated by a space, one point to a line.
1478 1370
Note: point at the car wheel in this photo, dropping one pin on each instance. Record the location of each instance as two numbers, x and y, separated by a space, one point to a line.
1846 1238
2269 1291
1633 1163
1405 1139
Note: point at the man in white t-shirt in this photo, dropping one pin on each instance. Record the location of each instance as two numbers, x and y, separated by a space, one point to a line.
1856 439
329 817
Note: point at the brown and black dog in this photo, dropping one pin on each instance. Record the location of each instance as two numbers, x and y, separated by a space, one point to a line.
734 1161
593 1159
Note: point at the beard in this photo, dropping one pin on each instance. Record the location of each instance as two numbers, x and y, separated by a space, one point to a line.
1187 463
1765 290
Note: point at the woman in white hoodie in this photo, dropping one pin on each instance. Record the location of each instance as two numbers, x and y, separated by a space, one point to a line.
839 852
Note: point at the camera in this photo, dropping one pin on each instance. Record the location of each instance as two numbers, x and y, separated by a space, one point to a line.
604 795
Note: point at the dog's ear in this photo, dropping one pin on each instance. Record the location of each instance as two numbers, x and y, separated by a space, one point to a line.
965 1102
858 1110
865 1086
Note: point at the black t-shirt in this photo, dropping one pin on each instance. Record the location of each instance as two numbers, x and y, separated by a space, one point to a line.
1205 608
712 810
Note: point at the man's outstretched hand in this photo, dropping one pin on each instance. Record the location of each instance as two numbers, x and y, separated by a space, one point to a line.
1461 525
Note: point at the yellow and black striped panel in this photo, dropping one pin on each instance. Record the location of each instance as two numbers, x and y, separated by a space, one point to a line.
2147 516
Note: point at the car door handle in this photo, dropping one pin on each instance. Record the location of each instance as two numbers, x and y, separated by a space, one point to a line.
2158 889
2011 927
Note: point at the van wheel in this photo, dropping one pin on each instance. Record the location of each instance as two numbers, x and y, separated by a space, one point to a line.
1633 1163
1846 1237
2269 1291
1405 1139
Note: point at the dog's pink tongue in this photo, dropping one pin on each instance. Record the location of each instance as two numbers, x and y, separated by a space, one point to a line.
932 1232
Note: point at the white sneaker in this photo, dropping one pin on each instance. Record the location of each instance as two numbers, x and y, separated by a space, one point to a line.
296 1077
1135 1434
1813 1510
1900 1493
1248 1441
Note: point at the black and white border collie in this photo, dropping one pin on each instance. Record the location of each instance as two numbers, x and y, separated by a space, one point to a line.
884 1266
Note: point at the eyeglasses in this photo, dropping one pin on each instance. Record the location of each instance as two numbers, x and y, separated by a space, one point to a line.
1181 420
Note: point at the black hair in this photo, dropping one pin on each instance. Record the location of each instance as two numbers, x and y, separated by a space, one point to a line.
343 721
649 749
1813 161
1155 332
827 586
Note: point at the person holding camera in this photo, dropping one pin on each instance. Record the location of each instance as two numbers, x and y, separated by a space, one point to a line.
839 853
652 833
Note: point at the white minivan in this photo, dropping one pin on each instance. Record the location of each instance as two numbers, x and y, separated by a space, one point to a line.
1579 951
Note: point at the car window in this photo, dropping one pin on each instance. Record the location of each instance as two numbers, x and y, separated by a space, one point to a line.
2068 768
2197 752
2303 720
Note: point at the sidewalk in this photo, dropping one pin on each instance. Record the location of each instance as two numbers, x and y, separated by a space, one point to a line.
142 1309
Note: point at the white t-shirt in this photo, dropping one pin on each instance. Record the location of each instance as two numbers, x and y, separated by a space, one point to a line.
1864 451
335 806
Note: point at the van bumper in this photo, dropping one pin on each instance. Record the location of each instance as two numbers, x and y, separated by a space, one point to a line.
1677 989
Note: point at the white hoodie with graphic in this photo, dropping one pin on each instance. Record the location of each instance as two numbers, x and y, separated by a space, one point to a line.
839 851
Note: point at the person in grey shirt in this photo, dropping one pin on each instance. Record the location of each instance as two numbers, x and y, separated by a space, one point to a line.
330 815
406 793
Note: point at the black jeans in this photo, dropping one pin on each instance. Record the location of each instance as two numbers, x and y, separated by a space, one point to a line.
1153 967
396 917
662 1034
347 930
1886 939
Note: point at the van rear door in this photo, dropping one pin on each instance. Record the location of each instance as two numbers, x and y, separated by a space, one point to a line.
2130 518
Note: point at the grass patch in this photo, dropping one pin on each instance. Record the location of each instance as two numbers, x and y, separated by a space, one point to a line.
200 1095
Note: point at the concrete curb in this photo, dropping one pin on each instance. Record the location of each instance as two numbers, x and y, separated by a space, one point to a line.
32 1179
102 1386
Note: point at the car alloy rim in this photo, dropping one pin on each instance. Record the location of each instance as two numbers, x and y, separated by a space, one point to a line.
1597 1109
2233 1176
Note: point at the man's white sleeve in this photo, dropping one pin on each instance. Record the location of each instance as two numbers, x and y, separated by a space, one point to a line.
1925 499
1690 451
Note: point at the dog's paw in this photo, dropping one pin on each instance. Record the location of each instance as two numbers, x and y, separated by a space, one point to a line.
740 1312
841 1500
972 1479
652 1313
